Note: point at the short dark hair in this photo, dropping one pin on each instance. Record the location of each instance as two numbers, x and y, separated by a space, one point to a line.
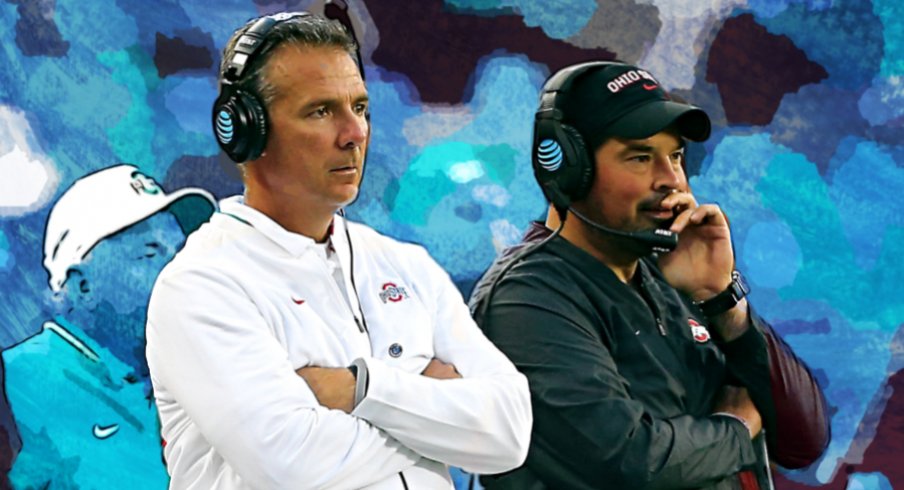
304 31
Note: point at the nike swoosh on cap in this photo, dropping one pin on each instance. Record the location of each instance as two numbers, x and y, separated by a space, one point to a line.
297 301
649 87
105 432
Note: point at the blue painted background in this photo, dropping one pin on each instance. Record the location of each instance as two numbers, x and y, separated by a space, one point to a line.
807 155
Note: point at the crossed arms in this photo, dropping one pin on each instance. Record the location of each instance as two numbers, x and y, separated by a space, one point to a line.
213 351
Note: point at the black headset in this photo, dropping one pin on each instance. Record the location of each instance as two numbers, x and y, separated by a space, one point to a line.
564 167
239 118
561 159
240 122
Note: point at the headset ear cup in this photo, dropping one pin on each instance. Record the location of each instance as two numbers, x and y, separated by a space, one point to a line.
581 164
240 125
258 127
549 161
224 122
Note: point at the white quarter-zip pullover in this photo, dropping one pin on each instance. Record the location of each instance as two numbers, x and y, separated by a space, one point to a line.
246 303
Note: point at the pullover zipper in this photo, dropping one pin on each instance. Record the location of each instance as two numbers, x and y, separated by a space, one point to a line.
648 299
344 299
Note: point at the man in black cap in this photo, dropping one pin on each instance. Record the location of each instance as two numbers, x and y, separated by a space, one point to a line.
647 366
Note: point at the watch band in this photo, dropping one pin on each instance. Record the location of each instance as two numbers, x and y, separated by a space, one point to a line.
727 299
359 370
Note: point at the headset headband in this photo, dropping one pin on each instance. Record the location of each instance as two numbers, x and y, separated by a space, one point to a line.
559 84
249 44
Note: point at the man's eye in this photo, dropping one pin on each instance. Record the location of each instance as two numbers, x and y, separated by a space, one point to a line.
360 108
320 112
640 158
151 249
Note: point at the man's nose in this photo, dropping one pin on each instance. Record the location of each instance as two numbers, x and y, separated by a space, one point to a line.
668 174
353 132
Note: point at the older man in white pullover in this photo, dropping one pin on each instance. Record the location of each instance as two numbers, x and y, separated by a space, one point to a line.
290 348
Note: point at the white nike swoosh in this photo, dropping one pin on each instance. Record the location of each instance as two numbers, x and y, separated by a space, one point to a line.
105 432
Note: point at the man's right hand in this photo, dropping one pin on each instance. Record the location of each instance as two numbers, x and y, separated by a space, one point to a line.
440 370
736 401
333 387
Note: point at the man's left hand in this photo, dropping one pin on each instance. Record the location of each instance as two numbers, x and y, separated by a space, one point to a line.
333 387
701 266
440 370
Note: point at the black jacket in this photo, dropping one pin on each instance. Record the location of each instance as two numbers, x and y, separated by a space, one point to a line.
622 392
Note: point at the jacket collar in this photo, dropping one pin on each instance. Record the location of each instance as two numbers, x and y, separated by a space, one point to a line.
293 243
584 261
536 231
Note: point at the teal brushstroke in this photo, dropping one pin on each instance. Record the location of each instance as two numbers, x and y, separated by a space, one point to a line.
559 19
891 13
504 103
428 179
771 255
5 256
865 211
793 189
132 135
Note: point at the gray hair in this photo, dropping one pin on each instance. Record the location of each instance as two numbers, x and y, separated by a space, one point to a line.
303 31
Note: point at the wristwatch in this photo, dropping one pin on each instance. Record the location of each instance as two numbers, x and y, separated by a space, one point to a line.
359 370
727 299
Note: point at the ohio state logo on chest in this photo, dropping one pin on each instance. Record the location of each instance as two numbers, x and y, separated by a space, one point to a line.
699 332
393 293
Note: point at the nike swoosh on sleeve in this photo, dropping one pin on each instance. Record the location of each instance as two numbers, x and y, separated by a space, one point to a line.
105 432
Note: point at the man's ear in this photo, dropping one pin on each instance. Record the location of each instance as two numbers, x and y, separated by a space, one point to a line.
77 288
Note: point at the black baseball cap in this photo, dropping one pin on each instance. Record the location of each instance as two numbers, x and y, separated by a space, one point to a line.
616 99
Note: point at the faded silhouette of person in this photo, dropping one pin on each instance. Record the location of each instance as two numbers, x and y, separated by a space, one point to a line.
79 388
